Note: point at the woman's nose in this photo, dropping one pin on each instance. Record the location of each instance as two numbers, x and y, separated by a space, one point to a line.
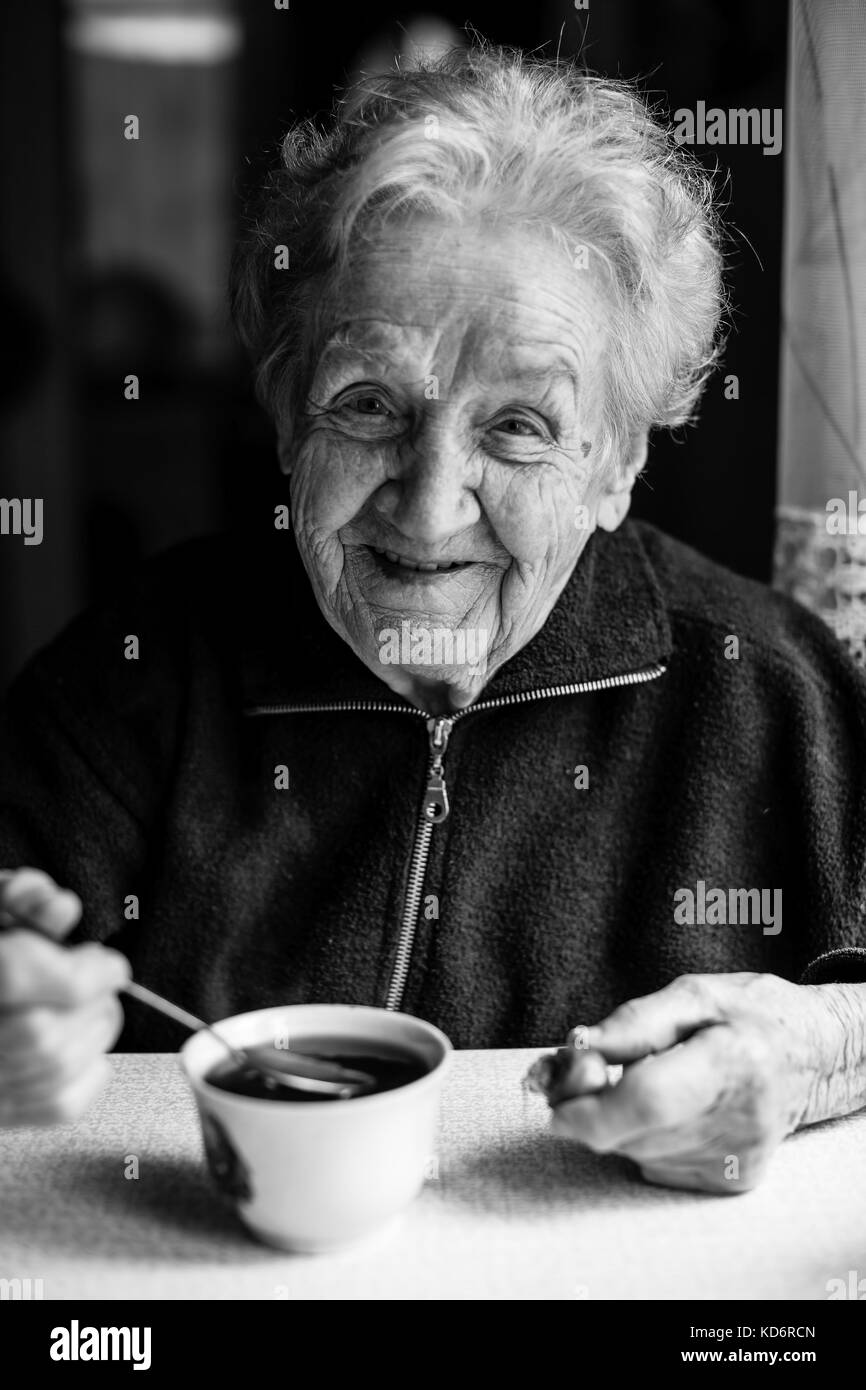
430 497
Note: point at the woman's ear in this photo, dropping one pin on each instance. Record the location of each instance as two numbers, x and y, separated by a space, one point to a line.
615 500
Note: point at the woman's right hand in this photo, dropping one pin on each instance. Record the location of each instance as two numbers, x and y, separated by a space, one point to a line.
59 1011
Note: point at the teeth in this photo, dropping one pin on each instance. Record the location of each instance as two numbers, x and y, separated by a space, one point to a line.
428 566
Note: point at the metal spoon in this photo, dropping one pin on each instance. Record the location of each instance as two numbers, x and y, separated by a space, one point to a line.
297 1071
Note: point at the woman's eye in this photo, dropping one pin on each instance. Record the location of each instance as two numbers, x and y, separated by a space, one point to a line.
368 405
366 412
366 402
516 427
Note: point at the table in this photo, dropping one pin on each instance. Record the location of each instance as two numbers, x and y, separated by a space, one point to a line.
513 1213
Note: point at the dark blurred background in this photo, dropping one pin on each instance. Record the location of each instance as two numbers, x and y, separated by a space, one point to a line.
113 258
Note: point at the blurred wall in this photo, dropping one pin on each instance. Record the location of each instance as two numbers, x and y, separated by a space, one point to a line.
40 585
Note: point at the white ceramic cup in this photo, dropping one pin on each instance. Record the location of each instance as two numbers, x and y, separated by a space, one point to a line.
317 1175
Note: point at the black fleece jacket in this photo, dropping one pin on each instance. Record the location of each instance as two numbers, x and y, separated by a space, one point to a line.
543 903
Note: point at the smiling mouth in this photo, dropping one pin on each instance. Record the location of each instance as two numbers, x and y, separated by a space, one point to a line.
391 561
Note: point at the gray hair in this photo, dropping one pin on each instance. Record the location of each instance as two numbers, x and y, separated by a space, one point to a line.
490 132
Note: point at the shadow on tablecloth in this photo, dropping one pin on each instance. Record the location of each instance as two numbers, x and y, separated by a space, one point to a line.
549 1173
88 1209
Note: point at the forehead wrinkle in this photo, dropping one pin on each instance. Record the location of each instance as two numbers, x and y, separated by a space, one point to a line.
367 340
369 335
515 356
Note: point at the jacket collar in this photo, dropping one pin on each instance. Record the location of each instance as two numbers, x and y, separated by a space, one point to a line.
609 620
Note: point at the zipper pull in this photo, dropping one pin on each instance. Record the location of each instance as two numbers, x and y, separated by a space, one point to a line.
436 806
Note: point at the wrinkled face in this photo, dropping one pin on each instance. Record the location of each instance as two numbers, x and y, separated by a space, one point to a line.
448 470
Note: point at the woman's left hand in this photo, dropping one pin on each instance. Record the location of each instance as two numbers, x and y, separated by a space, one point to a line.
718 1069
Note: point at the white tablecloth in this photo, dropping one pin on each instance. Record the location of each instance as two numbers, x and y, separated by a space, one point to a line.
513 1213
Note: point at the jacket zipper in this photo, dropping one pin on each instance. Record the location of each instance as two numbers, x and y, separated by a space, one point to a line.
435 807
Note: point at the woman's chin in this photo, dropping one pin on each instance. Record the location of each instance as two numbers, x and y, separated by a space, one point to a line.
439 691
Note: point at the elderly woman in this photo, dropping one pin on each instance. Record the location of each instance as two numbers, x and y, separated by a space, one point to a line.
454 736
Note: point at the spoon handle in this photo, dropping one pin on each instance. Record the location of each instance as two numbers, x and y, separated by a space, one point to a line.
179 1015
165 1006
305 1072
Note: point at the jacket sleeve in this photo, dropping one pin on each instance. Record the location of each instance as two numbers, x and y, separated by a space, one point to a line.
85 738
826 779
836 967
60 812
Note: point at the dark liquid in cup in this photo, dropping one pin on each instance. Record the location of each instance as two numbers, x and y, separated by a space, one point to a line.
389 1070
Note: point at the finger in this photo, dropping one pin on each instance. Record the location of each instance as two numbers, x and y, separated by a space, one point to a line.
655 1021
64 1106
28 1039
62 1069
577 1073
32 896
563 1073
35 971
657 1093
47 1043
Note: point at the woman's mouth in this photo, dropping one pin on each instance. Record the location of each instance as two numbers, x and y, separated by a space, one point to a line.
390 561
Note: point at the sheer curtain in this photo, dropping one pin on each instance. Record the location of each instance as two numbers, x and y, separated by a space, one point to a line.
821 539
